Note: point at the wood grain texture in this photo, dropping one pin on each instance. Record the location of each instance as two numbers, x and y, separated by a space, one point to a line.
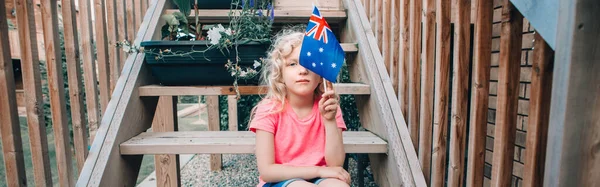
102 60
442 80
414 71
427 88
480 92
156 90
234 142
33 93
79 123
112 31
89 68
121 30
281 16
232 111
539 113
165 120
460 87
10 129
214 120
395 44
573 155
56 91
508 95
404 54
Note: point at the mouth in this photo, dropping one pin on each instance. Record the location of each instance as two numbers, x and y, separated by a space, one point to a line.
303 81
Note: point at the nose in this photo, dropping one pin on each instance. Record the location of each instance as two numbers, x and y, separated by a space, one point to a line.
303 70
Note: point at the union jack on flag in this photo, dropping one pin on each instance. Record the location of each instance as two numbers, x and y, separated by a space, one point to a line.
321 52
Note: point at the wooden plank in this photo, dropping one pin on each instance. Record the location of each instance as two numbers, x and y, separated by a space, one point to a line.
214 120
121 30
378 24
10 128
572 158
404 54
104 159
442 79
395 44
102 53
539 113
232 111
460 89
80 134
480 93
307 5
156 90
281 16
33 93
427 89
130 20
167 165
385 29
113 55
508 95
234 142
57 93
137 11
89 68
414 71
367 6
382 105
371 17
144 8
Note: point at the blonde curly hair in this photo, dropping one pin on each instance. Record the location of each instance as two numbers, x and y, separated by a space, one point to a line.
283 45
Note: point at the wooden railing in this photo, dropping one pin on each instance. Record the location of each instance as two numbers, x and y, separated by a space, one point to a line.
79 42
420 47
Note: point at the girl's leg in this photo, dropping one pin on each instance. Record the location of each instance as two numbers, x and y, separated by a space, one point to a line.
333 183
301 183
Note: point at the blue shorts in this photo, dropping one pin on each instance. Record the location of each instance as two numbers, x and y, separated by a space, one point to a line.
287 182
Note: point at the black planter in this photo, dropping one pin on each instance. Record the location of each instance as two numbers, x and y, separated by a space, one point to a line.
206 68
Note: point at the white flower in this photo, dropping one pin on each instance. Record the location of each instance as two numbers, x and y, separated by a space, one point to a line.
214 36
228 31
243 74
232 73
256 64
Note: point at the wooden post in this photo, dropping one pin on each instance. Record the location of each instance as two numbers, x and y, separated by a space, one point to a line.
129 4
33 93
89 69
379 24
414 71
121 30
385 28
102 54
233 112
442 79
165 120
80 134
539 113
212 107
112 31
426 117
395 44
508 95
572 157
404 53
480 94
458 130
10 129
57 93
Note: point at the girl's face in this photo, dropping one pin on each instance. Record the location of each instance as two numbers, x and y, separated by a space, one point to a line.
298 80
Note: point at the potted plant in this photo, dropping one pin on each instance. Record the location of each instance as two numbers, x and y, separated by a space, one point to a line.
220 54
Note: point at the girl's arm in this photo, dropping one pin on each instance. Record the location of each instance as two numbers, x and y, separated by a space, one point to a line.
271 172
334 146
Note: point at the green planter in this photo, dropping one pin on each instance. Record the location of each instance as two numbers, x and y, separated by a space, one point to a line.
206 68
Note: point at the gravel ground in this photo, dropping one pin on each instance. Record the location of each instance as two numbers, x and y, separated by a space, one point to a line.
238 170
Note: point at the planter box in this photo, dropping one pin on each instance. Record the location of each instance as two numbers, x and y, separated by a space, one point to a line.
199 68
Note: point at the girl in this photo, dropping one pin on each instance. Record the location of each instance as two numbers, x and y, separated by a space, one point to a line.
298 126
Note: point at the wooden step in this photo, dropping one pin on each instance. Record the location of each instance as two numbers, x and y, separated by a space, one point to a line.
281 16
229 142
157 90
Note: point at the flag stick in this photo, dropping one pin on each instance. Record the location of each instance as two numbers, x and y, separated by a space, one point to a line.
325 84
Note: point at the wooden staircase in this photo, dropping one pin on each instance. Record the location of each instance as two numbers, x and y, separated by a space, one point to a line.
121 140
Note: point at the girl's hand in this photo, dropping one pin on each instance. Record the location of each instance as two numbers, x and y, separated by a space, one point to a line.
334 172
328 104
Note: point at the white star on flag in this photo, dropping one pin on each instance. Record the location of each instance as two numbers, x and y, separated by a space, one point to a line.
308 54
314 64
333 65
321 49
321 63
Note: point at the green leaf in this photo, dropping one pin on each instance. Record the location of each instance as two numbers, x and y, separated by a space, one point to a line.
185 6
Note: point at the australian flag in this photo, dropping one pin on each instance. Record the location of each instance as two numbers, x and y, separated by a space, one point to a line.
321 52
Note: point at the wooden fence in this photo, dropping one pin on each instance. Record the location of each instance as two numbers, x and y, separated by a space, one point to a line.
443 85
93 64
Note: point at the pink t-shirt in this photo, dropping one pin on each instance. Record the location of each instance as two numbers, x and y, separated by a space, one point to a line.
298 141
